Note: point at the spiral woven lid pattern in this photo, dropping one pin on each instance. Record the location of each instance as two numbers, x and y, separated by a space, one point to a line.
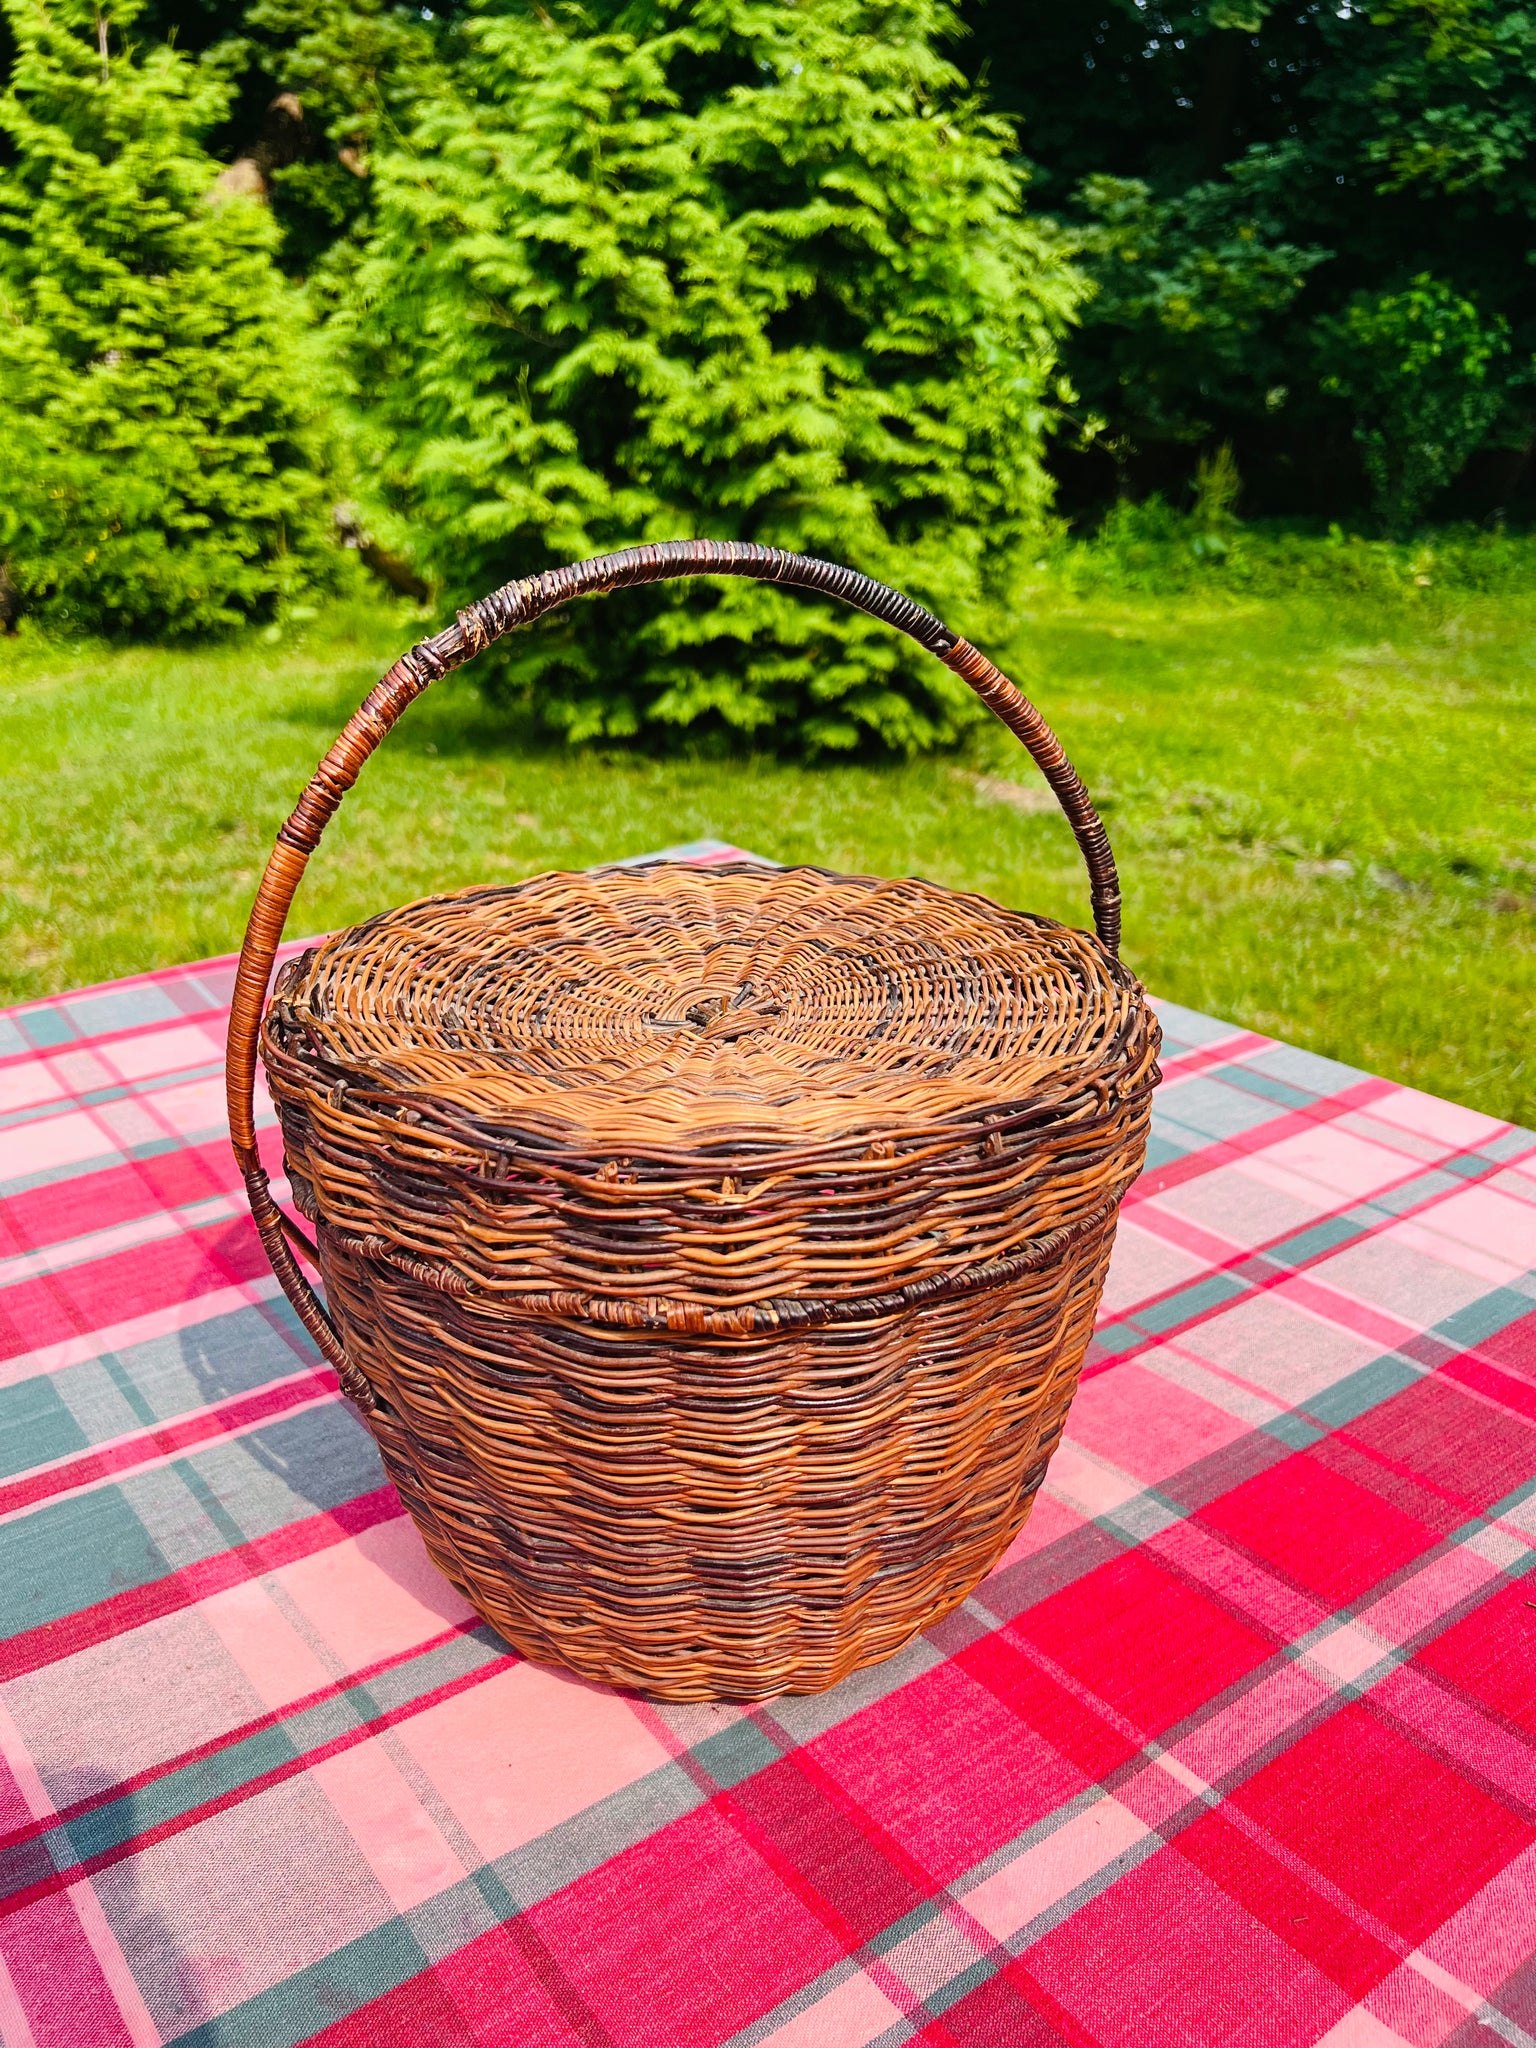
737 1008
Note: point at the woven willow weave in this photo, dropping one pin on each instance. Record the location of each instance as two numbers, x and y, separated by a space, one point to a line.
712 1251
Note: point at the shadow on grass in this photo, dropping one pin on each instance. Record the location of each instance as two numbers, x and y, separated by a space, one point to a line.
453 720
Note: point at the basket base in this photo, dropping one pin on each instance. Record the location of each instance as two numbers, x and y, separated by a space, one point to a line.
701 1692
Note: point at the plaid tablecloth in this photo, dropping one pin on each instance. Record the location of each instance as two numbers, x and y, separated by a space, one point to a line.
1238 1744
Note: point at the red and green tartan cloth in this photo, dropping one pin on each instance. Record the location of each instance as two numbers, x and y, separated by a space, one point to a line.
1237 1744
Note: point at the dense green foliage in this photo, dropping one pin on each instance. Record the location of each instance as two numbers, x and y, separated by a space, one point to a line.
1262 184
603 270
734 269
161 403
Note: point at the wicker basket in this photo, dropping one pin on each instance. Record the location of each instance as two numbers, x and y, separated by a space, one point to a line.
711 1251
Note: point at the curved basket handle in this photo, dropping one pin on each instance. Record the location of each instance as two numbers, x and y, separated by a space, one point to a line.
518 604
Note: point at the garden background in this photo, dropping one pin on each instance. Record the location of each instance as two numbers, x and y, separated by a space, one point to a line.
1185 359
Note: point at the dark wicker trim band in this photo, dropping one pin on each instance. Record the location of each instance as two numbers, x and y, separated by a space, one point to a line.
760 1318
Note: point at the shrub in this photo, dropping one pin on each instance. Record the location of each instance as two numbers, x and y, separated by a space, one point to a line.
160 397
728 268
1415 367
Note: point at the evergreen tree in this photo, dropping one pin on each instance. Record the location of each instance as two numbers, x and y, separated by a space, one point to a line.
719 267
161 398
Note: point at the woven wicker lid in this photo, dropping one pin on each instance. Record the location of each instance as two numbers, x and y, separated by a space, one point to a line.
662 1008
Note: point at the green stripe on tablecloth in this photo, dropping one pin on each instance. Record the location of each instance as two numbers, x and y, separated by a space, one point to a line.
316 1997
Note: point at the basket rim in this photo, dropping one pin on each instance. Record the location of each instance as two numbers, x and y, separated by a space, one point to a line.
581 1164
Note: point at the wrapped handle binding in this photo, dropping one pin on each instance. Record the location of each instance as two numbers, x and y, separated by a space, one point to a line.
519 604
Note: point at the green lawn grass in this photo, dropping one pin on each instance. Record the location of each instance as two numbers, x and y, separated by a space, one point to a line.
1321 806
